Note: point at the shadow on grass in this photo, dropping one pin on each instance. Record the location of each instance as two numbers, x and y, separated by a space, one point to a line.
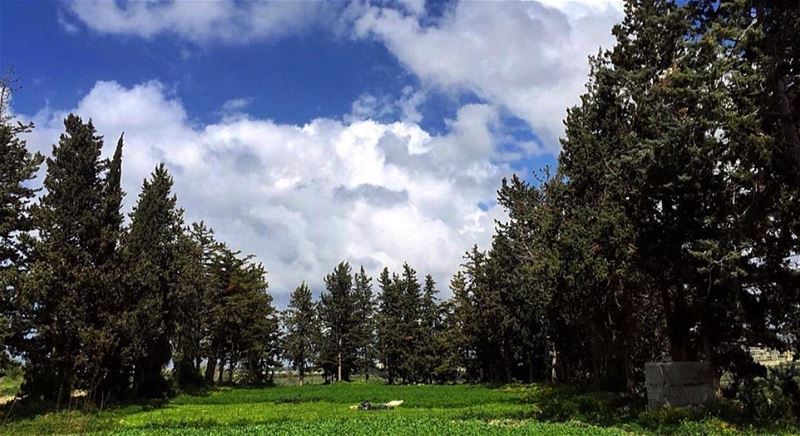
609 409
297 399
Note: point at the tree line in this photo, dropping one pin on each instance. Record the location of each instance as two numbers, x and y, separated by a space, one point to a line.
670 227
92 303
669 230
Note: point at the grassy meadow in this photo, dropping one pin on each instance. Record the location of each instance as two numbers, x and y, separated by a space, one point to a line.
427 410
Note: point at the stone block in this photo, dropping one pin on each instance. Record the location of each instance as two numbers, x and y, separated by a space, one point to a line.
679 384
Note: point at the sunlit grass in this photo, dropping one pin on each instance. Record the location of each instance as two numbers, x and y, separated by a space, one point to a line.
434 410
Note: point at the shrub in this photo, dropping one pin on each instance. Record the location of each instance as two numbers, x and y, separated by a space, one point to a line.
772 398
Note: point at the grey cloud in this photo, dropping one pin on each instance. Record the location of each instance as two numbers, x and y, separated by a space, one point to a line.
375 195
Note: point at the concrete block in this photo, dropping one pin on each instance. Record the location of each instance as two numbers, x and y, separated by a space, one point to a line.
679 384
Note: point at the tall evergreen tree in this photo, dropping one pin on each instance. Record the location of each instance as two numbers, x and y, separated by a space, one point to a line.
390 334
256 335
429 324
462 327
337 314
302 331
188 304
364 333
18 167
62 298
110 304
411 296
152 268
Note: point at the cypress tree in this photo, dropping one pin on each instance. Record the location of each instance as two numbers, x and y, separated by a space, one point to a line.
389 321
364 333
188 305
115 381
429 325
462 326
18 166
65 291
255 336
302 331
411 296
151 260
337 315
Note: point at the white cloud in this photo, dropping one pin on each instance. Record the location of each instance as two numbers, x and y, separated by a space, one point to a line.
304 197
235 105
225 21
360 188
529 58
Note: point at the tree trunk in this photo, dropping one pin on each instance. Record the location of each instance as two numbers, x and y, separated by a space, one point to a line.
339 362
221 371
211 366
792 136
339 367
179 371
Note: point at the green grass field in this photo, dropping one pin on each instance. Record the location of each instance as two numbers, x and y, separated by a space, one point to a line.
428 410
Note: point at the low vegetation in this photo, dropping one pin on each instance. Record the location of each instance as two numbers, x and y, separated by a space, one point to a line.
427 409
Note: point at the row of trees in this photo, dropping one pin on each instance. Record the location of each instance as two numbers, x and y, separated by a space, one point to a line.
350 330
92 303
670 229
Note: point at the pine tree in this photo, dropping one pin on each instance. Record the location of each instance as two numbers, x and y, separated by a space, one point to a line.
364 334
188 305
679 172
429 325
63 295
211 289
152 268
390 334
302 331
337 315
115 380
18 166
411 296
256 336
461 329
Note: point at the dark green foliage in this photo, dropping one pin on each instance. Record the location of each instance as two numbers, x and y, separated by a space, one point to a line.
669 230
89 305
151 257
255 337
427 347
302 333
389 321
666 230
66 293
17 167
337 313
241 322
364 334
411 296
189 302
770 397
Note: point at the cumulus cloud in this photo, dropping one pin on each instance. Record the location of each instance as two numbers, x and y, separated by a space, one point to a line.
304 197
226 21
372 186
529 58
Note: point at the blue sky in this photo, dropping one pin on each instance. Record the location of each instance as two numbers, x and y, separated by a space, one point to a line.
309 133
